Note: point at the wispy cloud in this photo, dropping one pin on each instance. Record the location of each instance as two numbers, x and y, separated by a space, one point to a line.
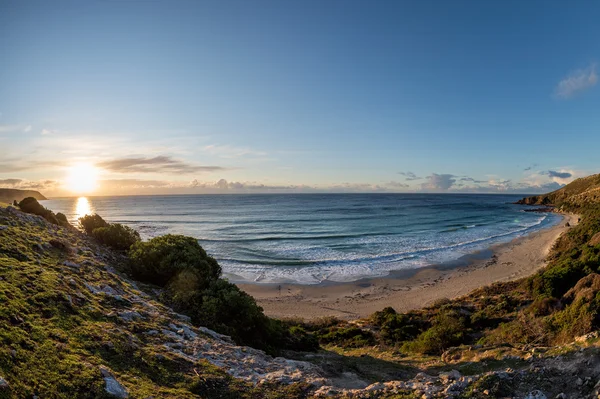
410 176
530 167
158 164
46 132
472 180
576 82
27 184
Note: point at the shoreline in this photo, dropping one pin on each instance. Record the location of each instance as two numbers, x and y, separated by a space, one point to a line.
409 289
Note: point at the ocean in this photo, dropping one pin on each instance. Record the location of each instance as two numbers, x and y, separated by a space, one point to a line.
309 238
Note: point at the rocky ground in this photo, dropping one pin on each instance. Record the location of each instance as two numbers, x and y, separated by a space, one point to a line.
72 325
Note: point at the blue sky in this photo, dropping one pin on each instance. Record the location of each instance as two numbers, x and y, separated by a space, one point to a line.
228 96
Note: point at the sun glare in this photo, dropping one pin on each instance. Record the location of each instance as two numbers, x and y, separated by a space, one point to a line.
82 208
82 178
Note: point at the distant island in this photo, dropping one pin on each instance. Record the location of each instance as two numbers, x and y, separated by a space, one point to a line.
8 195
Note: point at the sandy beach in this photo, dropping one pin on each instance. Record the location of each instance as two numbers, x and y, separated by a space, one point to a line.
409 289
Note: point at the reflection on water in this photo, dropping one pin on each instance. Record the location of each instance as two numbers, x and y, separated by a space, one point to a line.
82 208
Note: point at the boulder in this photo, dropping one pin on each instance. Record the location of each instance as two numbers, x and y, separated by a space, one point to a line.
112 386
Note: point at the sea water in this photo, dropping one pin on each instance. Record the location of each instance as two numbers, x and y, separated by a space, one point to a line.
309 238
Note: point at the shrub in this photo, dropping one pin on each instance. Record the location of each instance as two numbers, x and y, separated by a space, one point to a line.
395 327
88 223
193 287
62 219
116 236
159 260
31 205
347 337
447 330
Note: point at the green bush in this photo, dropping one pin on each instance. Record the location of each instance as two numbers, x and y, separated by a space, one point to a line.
395 327
193 287
62 219
160 259
116 236
347 337
447 330
31 205
89 223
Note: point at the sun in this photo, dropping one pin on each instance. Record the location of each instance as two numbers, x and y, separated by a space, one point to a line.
82 178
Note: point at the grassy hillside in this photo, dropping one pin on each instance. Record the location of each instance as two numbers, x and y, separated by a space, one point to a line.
580 193
8 195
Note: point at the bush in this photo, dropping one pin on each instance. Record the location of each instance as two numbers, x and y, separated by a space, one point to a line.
193 287
395 327
62 219
88 223
116 236
161 259
447 330
31 205
347 337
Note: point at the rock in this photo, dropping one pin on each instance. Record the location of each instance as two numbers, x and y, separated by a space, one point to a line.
3 227
112 386
70 264
561 396
579 382
3 384
453 375
129 316
536 394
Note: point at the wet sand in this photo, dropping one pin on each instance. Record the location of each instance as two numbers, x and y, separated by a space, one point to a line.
405 290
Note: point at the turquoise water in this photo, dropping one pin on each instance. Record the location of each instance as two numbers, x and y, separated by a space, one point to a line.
308 238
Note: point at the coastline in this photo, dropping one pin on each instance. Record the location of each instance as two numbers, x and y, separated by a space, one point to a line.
405 290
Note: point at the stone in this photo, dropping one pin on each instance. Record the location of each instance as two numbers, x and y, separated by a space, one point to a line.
129 315
561 396
579 382
112 386
3 384
535 394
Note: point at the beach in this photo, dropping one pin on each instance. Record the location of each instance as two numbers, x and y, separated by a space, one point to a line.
405 290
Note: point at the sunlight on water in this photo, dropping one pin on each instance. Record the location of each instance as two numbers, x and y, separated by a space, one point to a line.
82 207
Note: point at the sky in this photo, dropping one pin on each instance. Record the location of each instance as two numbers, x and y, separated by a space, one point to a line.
181 97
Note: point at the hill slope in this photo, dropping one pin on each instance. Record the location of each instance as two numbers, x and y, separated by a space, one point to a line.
579 193
8 195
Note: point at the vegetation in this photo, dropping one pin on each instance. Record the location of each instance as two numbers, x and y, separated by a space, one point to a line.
192 285
114 235
553 306
56 334
31 205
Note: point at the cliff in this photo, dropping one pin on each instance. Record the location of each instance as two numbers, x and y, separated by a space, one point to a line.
8 195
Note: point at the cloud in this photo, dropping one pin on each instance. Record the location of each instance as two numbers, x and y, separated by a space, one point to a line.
46 132
576 82
466 178
158 164
395 184
410 176
439 182
530 167
559 175
27 128
27 184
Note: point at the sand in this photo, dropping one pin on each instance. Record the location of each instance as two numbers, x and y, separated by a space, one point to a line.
410 289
